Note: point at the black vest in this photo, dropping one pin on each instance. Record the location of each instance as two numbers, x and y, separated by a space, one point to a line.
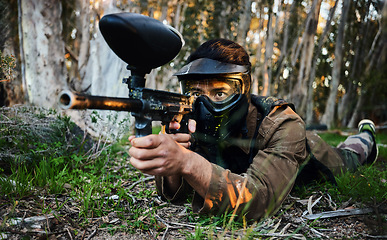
228 154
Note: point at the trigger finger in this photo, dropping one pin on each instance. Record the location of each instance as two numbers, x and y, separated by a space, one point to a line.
174 125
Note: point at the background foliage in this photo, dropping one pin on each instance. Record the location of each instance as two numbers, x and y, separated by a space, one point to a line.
293 47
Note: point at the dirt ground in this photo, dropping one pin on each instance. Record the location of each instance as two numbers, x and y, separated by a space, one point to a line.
175 222
26 219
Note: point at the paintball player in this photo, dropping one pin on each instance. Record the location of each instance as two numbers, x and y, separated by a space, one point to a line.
245 152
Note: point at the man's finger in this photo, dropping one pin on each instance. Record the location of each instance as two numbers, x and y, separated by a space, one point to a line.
150 141
191 125
145 154
181 137
174 125
144 165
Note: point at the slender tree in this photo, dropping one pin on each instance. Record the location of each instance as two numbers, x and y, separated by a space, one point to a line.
346 104
269 45
299 94
309 98
329 114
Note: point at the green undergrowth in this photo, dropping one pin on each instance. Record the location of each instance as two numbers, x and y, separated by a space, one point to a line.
46 156
49 157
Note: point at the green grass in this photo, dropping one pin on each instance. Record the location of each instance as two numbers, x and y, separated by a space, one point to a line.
368 184
58 163
68 165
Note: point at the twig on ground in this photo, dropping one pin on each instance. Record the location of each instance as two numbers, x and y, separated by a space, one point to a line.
140 181
346 204
181 224
48 225
144 214
278 235
329 199
376 237
92 234
83 235
317 233
311 205
168 223
285 228
165 232
68 231
338 213
275 226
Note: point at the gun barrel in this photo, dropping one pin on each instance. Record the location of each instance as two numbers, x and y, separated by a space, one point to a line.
71 100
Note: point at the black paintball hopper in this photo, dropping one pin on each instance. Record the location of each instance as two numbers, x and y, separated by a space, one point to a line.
142 42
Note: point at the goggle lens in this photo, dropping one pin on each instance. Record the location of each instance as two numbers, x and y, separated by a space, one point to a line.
217 89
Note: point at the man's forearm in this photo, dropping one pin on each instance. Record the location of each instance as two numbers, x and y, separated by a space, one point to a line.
197 173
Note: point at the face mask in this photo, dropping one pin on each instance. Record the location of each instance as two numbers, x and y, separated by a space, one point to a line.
216 121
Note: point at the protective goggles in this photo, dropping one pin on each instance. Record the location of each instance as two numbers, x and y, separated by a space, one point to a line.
218 90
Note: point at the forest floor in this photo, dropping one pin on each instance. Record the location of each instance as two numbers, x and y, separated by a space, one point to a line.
166 221
131 209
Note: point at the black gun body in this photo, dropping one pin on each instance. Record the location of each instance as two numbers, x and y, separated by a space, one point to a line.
164 106
151 104
143 43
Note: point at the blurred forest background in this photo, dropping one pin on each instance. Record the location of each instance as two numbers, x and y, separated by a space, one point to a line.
328 57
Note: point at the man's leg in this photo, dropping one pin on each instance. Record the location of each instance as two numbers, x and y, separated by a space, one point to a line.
361 148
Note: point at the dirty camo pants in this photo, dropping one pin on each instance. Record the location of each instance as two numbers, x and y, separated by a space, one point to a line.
355 149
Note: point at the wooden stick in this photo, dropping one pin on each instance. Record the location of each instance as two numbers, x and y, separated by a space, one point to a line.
338 213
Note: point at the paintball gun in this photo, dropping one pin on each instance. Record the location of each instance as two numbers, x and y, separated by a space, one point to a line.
143 43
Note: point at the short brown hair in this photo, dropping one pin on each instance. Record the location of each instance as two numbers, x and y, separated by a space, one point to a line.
222 50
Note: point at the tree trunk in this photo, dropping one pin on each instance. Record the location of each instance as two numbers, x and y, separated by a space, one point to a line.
221 16
102 72
244 22
329 114
309 98
43 51
284 48
347 105
355 116
376 60
258 67
267 64
300 90
344 107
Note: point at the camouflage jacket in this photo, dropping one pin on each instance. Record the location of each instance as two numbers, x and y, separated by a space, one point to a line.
280 149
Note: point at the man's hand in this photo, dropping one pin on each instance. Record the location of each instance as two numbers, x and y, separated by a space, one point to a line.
168 155
162 155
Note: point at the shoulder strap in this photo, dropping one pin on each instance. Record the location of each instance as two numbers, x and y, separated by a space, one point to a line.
266 104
